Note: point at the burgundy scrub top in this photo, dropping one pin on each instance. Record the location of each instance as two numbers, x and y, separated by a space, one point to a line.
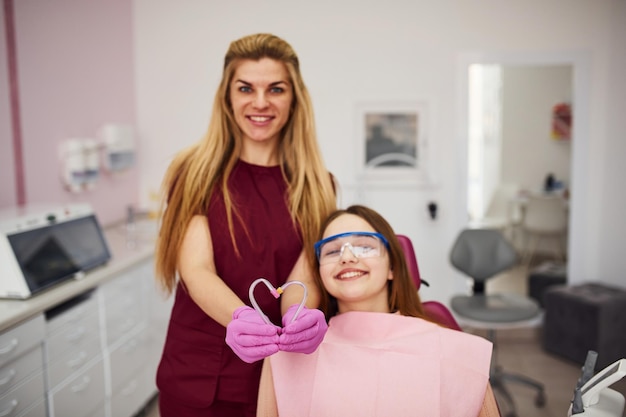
197 366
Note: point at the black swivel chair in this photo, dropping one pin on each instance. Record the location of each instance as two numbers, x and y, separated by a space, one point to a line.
481 254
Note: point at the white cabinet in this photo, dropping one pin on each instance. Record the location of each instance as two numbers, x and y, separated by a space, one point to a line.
74 358
37 410
95 355
81 395
21 370
134 337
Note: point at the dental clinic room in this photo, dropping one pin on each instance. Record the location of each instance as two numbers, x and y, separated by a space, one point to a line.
444 175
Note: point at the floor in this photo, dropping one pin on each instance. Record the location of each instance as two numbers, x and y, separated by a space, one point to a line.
520 351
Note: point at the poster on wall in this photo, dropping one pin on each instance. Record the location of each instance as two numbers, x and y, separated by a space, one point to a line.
392 141
562 121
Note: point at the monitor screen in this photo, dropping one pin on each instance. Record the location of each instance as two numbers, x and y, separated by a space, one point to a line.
55 253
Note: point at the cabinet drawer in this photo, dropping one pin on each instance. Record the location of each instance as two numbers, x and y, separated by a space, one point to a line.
72 336
99 412
72 361
15 372
121 326
125 307
133 394
127 284
21 338
37 410
22 396
128 357
83 392
123 284
72 312
123 300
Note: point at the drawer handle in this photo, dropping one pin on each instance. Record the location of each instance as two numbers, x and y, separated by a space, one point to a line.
82 386
76 334
10 375
9 347
76 362
8 411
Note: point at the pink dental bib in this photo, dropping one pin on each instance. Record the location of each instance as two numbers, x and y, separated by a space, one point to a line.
377 364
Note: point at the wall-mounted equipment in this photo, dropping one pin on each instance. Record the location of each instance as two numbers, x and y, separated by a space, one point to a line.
82 158
118 144
79 170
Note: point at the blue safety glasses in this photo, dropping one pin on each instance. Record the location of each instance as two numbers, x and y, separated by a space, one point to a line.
361 244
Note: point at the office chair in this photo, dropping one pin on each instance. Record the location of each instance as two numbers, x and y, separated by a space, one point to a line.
481 254
544 217
434 309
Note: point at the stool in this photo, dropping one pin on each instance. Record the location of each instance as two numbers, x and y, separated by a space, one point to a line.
585 317
545 275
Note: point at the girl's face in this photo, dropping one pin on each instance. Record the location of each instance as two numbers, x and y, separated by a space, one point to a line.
358 283
261 95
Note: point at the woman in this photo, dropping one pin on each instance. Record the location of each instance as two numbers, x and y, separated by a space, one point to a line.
244 202
381 356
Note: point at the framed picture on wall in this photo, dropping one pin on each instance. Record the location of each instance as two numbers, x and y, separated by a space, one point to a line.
392 141
562 121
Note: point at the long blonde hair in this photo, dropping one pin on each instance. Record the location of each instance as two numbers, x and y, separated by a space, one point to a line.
195 172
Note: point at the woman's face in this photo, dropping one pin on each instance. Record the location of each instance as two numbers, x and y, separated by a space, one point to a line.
358 283
261 95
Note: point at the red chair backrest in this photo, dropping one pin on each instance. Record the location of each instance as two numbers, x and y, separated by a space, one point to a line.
411 259
434 309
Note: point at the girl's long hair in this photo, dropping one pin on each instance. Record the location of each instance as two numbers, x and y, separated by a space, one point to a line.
195 172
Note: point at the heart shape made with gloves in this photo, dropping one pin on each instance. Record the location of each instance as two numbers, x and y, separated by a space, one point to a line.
276 292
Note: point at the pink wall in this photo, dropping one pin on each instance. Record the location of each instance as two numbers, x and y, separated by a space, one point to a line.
8 196
76 73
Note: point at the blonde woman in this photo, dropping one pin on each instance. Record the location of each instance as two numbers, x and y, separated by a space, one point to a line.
244 202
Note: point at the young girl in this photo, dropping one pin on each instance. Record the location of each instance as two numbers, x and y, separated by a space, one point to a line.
381 356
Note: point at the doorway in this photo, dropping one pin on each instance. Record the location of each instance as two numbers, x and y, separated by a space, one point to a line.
494 165
514 142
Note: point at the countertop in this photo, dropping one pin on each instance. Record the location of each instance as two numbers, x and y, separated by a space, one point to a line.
128 245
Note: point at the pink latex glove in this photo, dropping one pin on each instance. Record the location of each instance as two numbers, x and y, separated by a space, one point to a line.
305 333
250 337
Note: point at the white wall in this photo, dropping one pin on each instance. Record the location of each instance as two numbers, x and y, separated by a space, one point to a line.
357 51
607 194
528 151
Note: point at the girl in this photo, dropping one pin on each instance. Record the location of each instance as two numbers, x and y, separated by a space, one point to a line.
381 356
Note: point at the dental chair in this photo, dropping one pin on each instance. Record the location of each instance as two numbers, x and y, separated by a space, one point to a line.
482 254
434 309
